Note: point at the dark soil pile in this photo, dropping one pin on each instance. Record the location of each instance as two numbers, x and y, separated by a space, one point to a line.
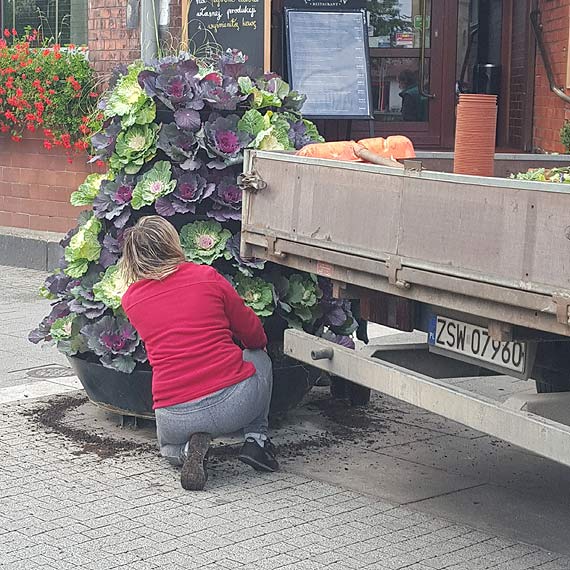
342 423
51 416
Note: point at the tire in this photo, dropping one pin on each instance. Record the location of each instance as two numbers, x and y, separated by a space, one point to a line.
551 371
338 388
359 395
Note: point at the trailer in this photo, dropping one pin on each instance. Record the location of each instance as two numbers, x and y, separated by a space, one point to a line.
482 265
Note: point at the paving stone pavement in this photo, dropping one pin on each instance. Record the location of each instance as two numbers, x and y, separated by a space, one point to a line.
64 509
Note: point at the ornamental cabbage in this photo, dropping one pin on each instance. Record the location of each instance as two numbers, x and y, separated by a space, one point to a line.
83 248
82 301
173 81
112 202
134 147
269 131
61 328
204 242
190 190
226 198
298 298
155 183
181 146
223 141
128 100
244 265
86 192
111 288
221 92
257 294
116 342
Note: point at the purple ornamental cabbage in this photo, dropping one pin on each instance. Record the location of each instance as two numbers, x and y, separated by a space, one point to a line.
233 63
227 200
111 249
221 92
42 332
104 141
58 284
233 246
116 342
298 135
223 142
191 189
174 83
337 313
181 146
341 340
112 202
82 300
187 119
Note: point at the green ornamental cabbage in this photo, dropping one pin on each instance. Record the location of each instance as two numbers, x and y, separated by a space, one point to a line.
111 288
62 328
157 182
134 147
271 131
129 101
204 242
299 297
86 192
257 294
83 248
67 336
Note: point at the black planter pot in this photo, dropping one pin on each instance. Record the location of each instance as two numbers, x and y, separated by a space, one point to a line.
117 392
131 395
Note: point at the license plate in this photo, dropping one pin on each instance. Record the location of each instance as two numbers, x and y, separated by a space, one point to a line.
474 342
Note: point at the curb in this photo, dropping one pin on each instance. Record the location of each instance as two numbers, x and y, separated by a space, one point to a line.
29 249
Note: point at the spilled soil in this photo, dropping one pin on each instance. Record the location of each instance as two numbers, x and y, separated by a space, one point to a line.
51 416
341 423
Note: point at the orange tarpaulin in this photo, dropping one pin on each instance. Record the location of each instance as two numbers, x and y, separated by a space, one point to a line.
395 147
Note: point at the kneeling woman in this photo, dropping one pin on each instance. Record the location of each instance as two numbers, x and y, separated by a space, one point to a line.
203 384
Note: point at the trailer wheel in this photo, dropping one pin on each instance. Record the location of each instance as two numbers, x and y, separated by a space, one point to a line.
338 387
551 371
359 395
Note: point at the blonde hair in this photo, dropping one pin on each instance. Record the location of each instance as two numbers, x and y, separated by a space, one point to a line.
151 250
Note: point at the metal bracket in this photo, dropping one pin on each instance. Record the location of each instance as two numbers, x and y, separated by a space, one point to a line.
394 265
271 250
251 182
562 309
413 165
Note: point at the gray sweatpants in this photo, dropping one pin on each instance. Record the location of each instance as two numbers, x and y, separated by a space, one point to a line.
243 406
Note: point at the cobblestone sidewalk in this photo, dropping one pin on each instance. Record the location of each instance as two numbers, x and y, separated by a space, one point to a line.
62 509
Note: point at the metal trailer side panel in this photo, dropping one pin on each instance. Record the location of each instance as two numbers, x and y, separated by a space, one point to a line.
457 225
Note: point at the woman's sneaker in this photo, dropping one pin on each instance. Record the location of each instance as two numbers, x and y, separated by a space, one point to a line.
260 458
194 472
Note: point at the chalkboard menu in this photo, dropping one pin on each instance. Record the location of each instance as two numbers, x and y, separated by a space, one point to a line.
327 55
241 24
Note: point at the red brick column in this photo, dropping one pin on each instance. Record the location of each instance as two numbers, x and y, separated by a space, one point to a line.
35 186
110 43
549 110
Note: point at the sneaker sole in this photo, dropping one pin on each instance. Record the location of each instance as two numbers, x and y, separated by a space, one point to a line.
194 475
256 464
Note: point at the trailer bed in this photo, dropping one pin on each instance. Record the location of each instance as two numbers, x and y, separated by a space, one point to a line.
447 240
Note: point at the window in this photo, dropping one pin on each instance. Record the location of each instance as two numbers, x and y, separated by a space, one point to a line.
63 20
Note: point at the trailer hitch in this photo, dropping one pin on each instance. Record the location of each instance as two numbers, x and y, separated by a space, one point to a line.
251 182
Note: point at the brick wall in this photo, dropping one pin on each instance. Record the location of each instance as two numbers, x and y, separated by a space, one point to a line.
110 43
35 186
549 110
519 75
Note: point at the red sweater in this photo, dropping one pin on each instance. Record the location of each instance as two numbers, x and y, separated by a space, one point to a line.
188 322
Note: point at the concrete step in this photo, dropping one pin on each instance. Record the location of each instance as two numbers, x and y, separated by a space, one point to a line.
30 249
